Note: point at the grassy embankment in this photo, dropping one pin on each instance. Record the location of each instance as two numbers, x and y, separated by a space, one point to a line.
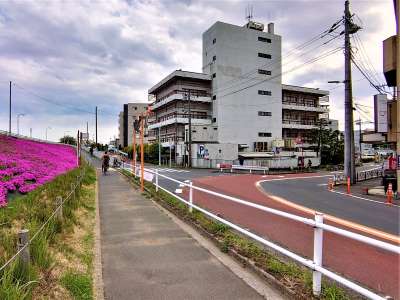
62 254
294 277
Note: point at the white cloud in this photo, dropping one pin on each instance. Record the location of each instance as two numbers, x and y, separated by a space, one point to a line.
106 53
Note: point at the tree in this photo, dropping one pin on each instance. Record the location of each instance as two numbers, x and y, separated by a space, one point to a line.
70 140
330 145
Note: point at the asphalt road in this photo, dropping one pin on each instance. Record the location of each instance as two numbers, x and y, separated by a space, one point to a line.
313 193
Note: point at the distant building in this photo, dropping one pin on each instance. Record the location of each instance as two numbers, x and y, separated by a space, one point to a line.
130 112
332 124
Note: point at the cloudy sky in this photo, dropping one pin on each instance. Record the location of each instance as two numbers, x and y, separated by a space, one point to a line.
66 57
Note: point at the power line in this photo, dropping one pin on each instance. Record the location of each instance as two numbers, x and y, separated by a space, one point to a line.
51 101
378 88
324 55
232 82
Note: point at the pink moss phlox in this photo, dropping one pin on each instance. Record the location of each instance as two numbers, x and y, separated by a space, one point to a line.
26 165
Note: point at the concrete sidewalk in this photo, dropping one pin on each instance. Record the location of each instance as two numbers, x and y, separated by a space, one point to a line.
146 255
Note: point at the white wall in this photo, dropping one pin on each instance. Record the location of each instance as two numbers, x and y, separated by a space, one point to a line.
236 50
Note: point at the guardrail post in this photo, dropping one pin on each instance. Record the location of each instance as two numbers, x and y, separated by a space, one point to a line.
191 196
318 244
23 241
156 180
59 208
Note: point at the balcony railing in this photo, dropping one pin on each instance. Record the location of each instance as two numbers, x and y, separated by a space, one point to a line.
179 115
300 122
193 93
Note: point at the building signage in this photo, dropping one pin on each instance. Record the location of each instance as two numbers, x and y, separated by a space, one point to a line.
381 113
202 152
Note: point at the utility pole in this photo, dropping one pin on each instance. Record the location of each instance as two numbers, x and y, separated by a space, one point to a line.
96 126
360 137
30 132
190 130
397 15
142 153
349 165
87 130
159 146
9 120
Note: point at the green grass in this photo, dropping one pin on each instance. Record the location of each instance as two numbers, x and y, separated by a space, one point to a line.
30 211
300 277
79 285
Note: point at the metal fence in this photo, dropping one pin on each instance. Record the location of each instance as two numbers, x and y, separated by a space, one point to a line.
23 249
317 223
369 174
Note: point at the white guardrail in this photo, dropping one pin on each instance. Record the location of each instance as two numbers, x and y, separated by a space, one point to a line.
317 223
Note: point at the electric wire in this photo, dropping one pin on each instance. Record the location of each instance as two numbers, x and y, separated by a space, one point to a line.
279 58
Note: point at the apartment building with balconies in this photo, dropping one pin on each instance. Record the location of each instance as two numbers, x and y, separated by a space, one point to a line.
174 96
302 111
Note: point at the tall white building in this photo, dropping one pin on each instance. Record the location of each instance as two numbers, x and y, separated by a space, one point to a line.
245 111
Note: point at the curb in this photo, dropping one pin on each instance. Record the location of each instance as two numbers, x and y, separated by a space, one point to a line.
98 284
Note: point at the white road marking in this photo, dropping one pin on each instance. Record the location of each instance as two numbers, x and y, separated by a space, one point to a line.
173 170
178 191
322 184
362 198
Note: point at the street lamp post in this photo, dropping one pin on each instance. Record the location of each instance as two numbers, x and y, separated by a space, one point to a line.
19 115
46 131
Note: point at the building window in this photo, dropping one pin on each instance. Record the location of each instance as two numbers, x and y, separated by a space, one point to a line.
214 58
214 97
265 113
214 40
264 55
214 75
214 120
266 93
263 39
264 72
264 134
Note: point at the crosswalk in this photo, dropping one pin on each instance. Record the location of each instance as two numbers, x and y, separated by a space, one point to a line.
167 170
161 170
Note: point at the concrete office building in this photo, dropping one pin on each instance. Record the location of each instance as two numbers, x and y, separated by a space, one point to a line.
237 57
242 106
126 118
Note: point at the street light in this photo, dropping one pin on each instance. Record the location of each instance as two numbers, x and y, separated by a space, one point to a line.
19 115
46 131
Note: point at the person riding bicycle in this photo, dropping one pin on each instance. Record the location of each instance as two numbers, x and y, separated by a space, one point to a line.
105 162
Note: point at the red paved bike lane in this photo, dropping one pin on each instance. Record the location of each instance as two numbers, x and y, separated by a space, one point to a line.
372 267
